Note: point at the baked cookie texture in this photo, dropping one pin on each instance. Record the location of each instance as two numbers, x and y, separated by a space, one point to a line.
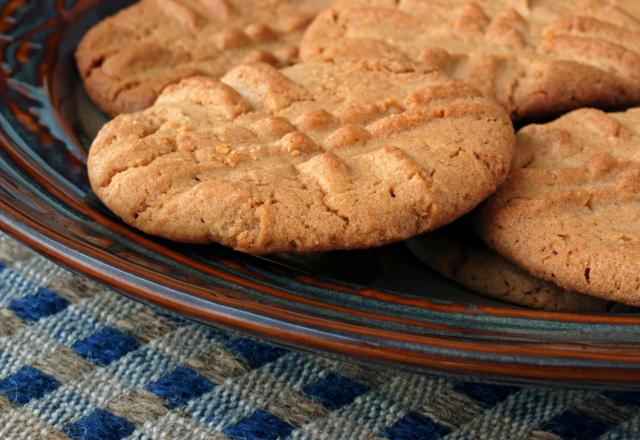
538 58
458 255
127 59
313 157
570 210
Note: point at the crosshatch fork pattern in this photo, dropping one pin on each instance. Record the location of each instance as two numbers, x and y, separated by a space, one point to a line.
400 151
79 361
538 59
127 59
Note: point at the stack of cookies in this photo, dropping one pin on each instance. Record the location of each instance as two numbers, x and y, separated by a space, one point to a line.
313 125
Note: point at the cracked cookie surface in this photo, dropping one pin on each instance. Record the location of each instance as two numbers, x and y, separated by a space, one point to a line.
455 253
538 58
127 59
570 210
313 157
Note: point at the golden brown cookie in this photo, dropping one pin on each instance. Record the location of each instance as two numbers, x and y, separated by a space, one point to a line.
314 157
570 210
458 255
126 60
537 58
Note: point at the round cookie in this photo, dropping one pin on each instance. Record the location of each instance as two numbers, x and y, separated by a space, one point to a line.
458 255
127 59
569 212
313 157
538 59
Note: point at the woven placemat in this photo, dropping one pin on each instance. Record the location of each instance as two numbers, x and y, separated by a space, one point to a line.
80 361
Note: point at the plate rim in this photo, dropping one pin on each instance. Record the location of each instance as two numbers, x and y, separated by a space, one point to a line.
341 346
601 366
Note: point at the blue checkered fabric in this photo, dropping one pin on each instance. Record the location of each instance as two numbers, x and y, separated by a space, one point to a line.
81 362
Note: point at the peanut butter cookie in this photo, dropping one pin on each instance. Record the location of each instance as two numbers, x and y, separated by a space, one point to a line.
313 157
126 60
570 211
455 253
537 58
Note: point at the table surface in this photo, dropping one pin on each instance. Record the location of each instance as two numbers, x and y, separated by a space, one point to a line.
80 361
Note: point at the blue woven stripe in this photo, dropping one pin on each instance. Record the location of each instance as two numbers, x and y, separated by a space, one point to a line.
100 425
261 425
180 386
335 390
573 424
415 426
255 353
624 397
105 346
38 305
485 395
27 384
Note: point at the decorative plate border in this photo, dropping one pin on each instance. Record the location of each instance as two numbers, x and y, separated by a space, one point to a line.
45 202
